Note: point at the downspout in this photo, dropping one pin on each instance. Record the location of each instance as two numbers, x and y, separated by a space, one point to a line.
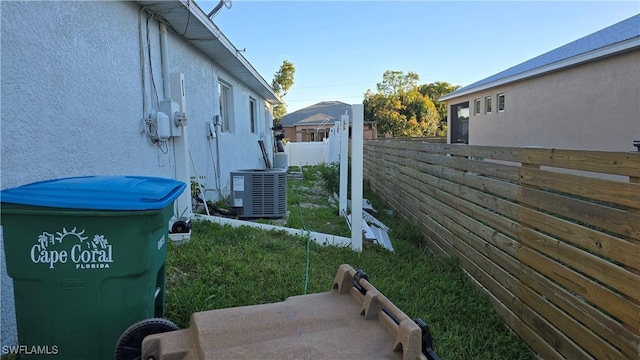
164 60
218 125
172 105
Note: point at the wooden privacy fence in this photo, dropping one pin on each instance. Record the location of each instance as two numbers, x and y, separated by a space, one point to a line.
551 236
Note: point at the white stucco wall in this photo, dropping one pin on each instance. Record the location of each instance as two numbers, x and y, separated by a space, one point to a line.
239 149
71 92
593 106
72 102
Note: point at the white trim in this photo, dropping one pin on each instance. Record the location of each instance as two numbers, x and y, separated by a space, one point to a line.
498 102
253 115
488 109
623 46
225 102
208 23
220 49
477 111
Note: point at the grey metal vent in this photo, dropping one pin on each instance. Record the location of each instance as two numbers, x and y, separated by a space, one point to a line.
259 193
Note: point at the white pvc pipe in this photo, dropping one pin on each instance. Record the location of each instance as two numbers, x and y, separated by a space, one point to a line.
164 60
217 126
195 170
180 143
320 238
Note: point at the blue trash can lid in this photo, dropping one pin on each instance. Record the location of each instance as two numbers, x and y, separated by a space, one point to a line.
97 193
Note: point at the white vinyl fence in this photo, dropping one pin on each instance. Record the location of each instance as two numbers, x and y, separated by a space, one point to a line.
306 153
328 151
313 153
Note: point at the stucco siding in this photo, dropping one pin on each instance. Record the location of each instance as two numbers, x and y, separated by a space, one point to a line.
239 148
71 94
72 102
593 106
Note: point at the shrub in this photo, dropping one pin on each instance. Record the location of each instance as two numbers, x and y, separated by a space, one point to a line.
330 175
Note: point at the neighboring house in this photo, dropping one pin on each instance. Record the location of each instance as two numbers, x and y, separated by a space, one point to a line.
313 122
82 83
583 95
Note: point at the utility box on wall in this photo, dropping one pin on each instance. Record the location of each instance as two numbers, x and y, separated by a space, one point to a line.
259 193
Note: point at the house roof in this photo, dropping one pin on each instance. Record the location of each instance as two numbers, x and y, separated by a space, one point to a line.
193 25
621 37
325 112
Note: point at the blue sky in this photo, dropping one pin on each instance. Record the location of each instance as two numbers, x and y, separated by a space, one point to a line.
341 48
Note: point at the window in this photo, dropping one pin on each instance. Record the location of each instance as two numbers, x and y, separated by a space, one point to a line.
268 121
460 123
487 105
253 115
226 111
501 102
476 107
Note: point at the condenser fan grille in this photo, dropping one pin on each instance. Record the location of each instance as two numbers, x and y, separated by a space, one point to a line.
259 193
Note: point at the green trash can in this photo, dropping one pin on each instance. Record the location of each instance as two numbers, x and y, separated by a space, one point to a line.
87 257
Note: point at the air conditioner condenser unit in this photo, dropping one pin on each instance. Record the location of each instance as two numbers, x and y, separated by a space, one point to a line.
257 193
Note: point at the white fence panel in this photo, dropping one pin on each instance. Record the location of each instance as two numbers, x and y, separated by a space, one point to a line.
313 153
333 147
305 153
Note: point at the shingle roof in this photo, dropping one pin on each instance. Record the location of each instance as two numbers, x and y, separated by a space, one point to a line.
322 112
316 118
614 34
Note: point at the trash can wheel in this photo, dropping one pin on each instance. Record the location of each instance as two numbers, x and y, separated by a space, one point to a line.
129 345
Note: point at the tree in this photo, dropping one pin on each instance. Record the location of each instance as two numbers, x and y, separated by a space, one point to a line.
398 107
395 82
281 83
434 91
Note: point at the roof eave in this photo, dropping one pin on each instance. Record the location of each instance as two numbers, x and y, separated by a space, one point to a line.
206 36
617 48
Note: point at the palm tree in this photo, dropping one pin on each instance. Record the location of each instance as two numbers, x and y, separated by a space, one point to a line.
44 240
435 91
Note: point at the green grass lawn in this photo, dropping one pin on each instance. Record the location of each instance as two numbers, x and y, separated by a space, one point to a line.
224 267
